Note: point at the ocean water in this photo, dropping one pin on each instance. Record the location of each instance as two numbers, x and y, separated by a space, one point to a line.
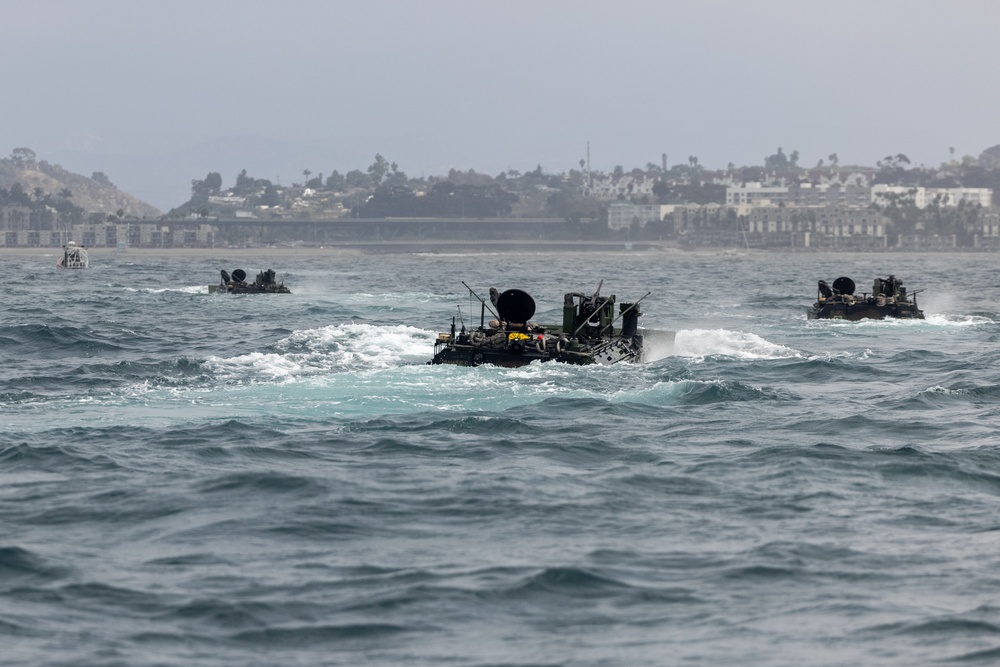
195 479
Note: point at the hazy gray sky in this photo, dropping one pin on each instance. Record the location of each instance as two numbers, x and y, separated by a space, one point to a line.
157 93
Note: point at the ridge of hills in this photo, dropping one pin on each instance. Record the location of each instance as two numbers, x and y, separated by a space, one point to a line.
95 194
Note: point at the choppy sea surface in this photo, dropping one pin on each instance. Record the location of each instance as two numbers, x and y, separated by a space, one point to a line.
195 479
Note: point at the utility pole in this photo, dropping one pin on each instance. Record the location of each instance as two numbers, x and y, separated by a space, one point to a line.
590 178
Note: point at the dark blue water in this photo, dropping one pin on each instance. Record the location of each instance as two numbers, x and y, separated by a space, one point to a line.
189 479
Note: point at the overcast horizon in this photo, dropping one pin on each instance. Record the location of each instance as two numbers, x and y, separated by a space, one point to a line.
155 95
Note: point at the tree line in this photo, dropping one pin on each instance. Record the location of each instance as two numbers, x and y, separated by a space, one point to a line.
383 189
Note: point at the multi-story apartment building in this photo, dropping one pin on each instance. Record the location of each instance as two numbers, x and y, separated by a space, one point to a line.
922 197
832 220
756 194
622 214
15 217
776 226
110 235
851 191
854 192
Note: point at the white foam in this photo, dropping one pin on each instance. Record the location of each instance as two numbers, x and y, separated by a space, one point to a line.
331 372
191 289
701 343
393 298
360 346
945 391
257 365
930 321
657 344
357 348
957 320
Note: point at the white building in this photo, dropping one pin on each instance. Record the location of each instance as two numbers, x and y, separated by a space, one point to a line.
227 198
627 185
854 191
621 215
823 220
755 194
922 197
955 196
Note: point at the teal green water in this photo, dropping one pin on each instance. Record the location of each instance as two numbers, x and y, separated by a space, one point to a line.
258 480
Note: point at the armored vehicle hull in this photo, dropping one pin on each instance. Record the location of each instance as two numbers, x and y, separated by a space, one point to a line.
236 283
887 299
587 334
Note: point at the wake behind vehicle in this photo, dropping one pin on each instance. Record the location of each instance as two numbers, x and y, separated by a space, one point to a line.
236 283
887 299
587 334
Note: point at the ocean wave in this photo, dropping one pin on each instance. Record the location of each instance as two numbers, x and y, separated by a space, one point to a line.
187 289
361 347
11 396
702 343
17 565
218 613
986 656
257 482
962 394
930 630
701 392
56 341
287 481
357 348
567 582
396 298
931 322
64 453
826 367
334 635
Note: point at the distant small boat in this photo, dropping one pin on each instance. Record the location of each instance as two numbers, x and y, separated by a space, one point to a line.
74 257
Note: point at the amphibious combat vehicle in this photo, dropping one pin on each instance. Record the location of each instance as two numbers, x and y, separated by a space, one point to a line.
587 334
888 298
236 283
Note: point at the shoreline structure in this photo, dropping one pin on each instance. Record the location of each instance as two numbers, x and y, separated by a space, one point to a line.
460 248
466 247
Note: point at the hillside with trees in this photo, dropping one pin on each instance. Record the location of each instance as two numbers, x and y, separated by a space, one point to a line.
37 183
590 202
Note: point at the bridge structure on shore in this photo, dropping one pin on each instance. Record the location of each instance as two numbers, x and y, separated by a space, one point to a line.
415 233
379 230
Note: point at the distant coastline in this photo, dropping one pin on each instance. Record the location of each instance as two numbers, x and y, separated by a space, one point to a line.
467 247
453 247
